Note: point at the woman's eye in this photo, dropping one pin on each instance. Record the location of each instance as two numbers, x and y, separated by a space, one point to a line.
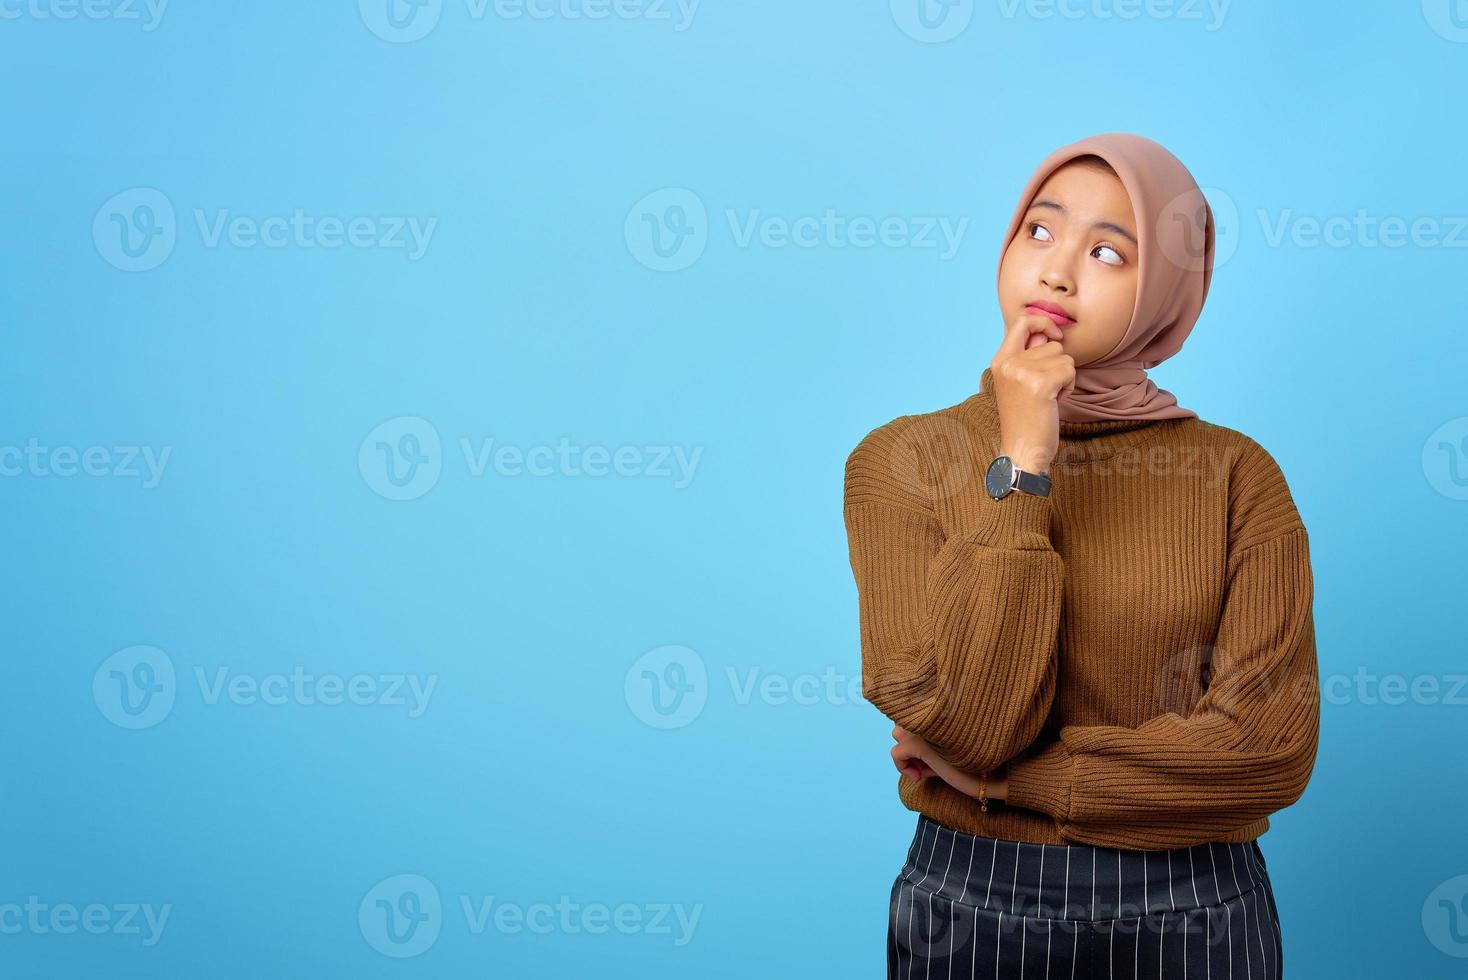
1042 228
1104 250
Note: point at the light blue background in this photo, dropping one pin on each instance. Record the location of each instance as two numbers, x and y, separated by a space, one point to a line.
531 318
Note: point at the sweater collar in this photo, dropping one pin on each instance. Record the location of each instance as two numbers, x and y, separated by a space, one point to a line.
1079 441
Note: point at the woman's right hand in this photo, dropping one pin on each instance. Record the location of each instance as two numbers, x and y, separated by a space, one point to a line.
1030 369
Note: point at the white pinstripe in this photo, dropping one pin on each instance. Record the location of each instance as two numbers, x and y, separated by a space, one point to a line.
961 897
1274 918
1040 901
1270 948
912 901
1015 885
1111 949
1161 935
1170 900
952 847
993 860
896 949
997 937
1248 960
1228 922
1193 879
1076 930
1255 889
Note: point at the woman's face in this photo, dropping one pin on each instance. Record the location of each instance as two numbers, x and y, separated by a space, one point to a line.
1076 248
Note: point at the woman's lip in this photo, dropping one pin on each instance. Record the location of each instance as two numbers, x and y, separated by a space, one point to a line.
1061 320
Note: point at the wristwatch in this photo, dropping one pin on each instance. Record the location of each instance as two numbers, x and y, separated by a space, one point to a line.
1003 478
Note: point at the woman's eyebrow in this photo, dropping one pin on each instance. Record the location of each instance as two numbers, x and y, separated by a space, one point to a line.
1045 202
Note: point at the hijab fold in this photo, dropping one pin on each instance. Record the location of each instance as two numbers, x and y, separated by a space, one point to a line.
1175 234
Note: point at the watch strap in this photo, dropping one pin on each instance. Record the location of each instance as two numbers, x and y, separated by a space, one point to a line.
1035 483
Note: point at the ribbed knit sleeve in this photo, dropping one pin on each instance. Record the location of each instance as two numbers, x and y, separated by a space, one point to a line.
1248 746
959 628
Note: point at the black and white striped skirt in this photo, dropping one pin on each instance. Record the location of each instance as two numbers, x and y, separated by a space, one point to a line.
968 906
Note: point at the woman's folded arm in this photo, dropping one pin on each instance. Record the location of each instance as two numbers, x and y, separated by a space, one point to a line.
1246 749
958 631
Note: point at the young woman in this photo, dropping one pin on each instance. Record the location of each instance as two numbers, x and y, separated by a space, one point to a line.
1088 613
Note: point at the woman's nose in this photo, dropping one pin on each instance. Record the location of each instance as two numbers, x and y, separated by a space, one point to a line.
1058 280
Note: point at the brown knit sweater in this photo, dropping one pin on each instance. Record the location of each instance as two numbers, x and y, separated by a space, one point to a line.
1138 648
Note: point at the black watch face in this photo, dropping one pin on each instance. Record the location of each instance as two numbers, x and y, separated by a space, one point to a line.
998 479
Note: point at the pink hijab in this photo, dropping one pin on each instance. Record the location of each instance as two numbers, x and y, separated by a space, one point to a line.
1176 234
